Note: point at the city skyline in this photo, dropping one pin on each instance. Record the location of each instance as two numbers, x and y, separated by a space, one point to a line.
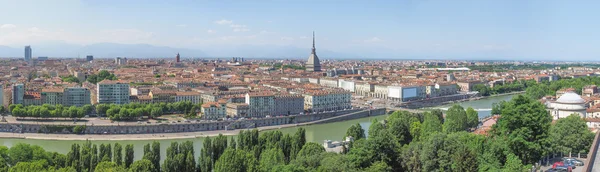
515 30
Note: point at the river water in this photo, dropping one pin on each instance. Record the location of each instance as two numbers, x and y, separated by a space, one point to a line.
314 133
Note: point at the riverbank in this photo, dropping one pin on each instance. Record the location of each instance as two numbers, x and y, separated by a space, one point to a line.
179 135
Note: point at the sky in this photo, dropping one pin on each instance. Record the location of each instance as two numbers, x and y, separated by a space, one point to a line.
438 29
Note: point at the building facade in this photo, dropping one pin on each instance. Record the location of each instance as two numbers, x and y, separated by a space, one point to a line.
289 104
327 100
112 92
18 91
260 104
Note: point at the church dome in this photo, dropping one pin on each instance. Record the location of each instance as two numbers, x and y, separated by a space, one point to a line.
570 98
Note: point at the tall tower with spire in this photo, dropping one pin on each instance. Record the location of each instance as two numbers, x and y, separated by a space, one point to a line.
313 64
177 58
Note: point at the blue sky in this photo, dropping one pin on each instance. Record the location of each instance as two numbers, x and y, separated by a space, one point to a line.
469 29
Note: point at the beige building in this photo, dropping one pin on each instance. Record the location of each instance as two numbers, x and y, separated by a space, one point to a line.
237 110
193 97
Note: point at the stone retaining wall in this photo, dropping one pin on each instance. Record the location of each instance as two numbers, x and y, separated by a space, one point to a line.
194 126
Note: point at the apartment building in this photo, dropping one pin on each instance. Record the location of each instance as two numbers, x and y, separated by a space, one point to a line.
76 96
32 98
162 96
193 97
213 111
260 104
327 100
52 96
116 92
237 110
291 104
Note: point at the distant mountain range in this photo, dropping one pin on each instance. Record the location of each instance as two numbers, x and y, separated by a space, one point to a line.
110 50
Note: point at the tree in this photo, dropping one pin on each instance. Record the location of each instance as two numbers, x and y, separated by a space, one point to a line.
236 160
456 119
378 166
375 127
156 155
271 158
571 135
142 165
205 162
109 167
524 123
472 118
298 141
40 165
356 131
431 124
513 163
117 155
128 155
399 124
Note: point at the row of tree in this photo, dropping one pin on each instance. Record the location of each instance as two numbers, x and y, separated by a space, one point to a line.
49 111
542 89
134 111
404 141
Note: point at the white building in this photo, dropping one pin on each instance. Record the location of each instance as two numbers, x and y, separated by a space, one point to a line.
112 92
329 83
260 104
567 104
406 93
213 111
329 100
347 85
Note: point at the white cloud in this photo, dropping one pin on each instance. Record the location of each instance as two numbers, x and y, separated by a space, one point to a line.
287 38
7 26
269 21
264 32
374 39
303 37
228 38
223 21
210 31
181 25
241 29
237 26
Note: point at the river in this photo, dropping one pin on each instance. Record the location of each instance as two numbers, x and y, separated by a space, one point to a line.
314 133
483 106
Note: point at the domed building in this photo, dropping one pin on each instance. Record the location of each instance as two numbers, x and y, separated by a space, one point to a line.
567 104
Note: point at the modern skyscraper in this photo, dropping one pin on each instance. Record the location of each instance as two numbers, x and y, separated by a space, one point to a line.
313 64
27 53
89 58
18 91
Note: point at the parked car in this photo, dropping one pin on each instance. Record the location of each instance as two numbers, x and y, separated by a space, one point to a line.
556 164
570 164
574 161
560 169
